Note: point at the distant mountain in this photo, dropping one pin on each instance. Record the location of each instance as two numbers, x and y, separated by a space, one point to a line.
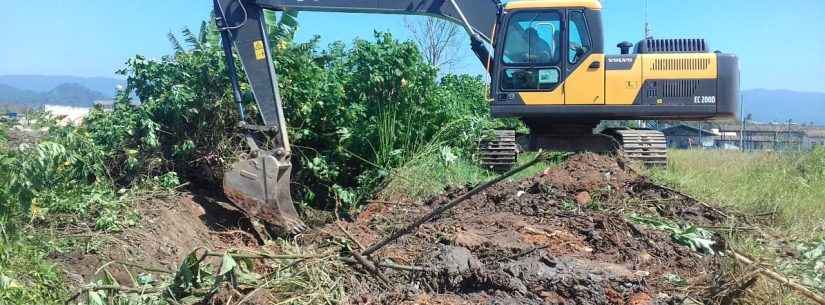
72 95
782 105
43 83
69 94
9 94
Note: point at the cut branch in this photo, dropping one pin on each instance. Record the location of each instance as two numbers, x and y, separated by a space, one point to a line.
455 202
804 291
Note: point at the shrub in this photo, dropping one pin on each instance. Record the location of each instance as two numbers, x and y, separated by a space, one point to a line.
354 114
63 174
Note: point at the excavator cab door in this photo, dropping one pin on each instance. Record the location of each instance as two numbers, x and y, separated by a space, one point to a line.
529 83
584 67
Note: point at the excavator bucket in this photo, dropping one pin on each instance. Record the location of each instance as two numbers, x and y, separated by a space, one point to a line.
260 187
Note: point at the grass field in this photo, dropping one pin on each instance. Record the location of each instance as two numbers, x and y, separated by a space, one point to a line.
790 187
430 174
783 197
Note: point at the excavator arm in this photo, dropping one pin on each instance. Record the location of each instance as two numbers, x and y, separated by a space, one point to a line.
259 182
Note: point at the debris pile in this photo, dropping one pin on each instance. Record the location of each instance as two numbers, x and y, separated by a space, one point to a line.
566 236
585 232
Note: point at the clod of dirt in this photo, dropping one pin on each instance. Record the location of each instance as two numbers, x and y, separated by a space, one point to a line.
583 198
586 172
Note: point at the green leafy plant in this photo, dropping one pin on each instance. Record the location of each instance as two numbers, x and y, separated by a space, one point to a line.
355 113
26 276
696 238
809 266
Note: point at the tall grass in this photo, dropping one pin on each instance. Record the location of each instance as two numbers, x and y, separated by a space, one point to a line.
786 191
790 186
429 173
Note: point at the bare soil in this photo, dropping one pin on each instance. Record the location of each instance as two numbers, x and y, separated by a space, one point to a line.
560 237
167 233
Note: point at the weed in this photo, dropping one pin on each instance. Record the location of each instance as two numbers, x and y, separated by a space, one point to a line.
786 189
431 171
309 278
696 238
810 267
790 186
26 276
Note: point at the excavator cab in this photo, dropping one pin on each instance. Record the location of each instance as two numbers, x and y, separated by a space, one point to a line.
548 67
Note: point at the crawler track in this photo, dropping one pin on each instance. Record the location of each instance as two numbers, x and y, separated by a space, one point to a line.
643 145
500 153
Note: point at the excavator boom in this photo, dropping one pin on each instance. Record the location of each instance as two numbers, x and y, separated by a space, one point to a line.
259 183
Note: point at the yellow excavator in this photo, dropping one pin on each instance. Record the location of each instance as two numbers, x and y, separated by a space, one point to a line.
547 66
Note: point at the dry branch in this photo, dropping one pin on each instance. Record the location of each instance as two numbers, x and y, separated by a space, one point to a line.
804 291
691 198
438 211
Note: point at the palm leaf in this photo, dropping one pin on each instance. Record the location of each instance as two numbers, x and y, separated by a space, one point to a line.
191 39
175 43
213 36
282 29
288 24
203 33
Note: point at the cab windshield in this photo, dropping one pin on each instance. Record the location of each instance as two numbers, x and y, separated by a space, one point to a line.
533 39
532 52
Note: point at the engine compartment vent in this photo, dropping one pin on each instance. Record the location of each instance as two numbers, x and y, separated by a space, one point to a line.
672 88
648 46
680 64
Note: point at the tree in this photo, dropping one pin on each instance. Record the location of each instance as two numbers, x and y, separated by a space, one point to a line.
438 40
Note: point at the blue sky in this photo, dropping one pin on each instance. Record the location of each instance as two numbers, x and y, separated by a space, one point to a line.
781 43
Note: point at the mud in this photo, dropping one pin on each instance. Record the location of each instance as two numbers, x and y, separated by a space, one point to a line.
561 237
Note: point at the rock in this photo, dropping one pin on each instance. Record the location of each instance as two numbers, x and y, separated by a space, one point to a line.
456 260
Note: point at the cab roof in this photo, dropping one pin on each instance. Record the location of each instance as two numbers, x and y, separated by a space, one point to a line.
522 4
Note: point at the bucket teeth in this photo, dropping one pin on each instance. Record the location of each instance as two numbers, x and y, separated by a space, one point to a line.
260 187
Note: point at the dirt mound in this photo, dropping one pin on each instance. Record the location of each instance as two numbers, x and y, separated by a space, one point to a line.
169 230
561 237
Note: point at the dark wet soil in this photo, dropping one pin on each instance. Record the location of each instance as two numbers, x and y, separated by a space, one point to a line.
561 237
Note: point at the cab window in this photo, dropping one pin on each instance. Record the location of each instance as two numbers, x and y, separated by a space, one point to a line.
533 38
532 51
579 37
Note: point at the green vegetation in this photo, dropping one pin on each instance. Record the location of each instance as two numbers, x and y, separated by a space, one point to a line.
63 174
790 186
782 195
356 113
698 239
26 276
360 116
428 174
